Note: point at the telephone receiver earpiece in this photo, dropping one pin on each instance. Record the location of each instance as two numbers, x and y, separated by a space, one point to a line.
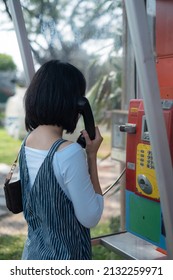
84 109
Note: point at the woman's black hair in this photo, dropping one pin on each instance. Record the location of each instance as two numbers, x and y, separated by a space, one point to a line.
51 98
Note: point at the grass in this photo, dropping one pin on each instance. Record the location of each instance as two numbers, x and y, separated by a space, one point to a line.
9 147
11 247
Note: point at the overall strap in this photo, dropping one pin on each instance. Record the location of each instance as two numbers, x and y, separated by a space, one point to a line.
23 143
25 138
55 146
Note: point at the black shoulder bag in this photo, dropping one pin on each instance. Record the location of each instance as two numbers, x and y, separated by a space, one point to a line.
13 194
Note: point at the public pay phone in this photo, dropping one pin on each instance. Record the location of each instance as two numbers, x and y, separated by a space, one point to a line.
143 209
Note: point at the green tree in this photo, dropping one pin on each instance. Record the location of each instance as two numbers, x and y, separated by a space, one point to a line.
7 79
68 30
6 62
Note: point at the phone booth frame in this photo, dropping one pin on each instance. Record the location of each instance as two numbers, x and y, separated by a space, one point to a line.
125 243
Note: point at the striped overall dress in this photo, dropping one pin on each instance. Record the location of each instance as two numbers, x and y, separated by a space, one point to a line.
54 233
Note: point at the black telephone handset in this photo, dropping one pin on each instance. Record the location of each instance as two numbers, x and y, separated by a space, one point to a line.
85 110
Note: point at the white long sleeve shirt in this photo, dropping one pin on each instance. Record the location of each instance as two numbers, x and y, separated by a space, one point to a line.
71 170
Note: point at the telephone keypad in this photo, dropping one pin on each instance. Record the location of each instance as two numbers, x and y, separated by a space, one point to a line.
146 159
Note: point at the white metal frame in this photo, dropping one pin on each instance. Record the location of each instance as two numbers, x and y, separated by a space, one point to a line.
146 68
21 33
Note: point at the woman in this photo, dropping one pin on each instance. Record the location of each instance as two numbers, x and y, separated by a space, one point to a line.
62 198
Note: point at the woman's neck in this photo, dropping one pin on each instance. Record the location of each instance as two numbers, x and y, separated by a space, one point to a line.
52 129
44 136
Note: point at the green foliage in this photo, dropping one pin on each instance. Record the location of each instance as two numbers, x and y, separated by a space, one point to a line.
2 115
111 226
114 224
6 63
105 95
64 26
101 253
9 147
100 230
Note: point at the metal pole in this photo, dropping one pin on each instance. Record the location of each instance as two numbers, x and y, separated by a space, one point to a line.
122 199
137 21
21 33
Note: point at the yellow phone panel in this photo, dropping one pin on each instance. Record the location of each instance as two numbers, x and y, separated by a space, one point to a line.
146 183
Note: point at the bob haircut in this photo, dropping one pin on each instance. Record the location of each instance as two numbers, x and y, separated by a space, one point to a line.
52 96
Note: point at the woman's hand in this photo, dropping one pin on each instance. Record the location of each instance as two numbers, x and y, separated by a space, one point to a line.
92 146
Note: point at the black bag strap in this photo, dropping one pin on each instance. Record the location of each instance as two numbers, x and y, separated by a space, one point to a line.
10 174
13 167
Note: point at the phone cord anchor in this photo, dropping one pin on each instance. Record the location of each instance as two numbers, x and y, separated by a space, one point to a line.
128 127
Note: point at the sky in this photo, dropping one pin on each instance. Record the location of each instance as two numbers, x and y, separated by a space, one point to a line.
9 45
8 39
